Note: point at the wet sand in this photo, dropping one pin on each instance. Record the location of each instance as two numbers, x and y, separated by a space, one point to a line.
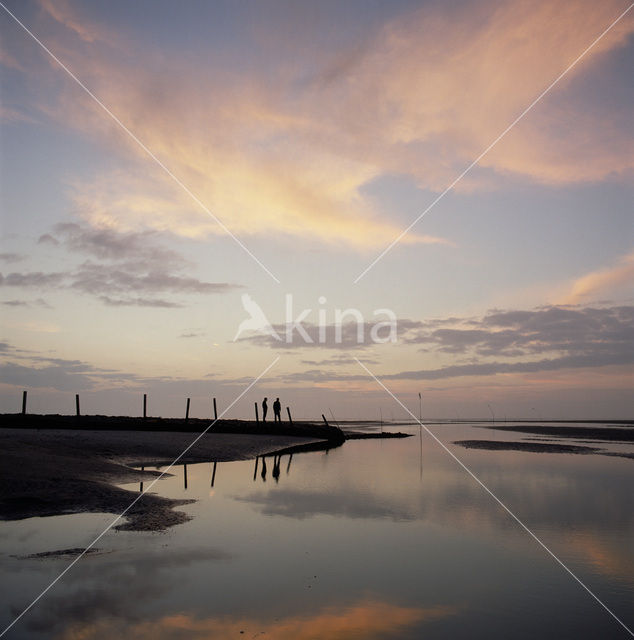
593 435
51 471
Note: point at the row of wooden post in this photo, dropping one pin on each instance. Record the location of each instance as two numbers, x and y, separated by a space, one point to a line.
257 415
186 408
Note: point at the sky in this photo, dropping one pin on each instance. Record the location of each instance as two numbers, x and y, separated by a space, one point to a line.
458 171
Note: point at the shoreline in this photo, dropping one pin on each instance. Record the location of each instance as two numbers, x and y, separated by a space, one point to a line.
48 472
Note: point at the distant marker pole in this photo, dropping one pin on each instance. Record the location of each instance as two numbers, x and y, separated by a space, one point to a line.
257 417
215 410
288 410
144 406
24 403
187 410
77 405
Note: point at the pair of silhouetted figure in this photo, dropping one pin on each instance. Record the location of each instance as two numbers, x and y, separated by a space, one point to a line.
277 410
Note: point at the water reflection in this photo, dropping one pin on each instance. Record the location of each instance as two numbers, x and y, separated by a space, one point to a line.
357 543
368 620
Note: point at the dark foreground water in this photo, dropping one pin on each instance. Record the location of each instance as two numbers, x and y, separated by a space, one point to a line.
376 539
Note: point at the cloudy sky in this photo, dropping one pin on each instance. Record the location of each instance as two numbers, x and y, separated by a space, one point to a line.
160 162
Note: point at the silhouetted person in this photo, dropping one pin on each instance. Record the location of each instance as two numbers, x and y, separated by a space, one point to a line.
277 410
265 408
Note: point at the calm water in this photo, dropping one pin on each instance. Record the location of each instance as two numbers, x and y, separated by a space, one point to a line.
376 539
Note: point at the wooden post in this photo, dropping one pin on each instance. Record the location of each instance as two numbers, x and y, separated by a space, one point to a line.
255 473
288 467
185 475
144 406
288 410
215 410
23 402
213 475
257 418
187 411
325 421
77 404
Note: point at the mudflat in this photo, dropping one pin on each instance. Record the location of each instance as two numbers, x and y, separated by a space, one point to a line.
58 471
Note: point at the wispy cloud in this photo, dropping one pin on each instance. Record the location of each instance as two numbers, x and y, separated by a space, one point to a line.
123 269
603 282
422 96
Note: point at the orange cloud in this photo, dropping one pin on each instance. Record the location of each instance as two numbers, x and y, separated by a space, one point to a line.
604 282
436 89
365 620
423 96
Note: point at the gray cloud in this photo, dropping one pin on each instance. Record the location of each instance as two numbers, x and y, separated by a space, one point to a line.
349 335
492 368
338 361
522 333
61 377
109 244
15 303
139 302
47 238
516 341
33 279
11 257
123 268
39 302
128 277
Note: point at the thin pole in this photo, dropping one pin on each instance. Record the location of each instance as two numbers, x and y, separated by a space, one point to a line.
257 417
23 402
213 475
144 406
215 410
288 410
187 410
325 421
77 404
185 475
